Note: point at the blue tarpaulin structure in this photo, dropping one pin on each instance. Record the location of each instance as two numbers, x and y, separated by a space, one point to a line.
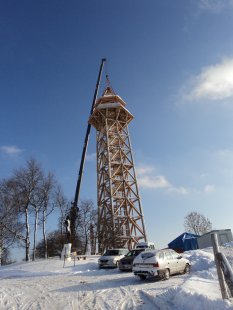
184 242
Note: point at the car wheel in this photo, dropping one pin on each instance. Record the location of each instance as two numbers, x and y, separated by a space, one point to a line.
142 277
166 274
187 268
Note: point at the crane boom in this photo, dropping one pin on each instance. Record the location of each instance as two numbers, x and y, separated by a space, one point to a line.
74 208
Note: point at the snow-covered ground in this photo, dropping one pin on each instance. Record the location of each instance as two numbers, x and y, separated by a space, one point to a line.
45 284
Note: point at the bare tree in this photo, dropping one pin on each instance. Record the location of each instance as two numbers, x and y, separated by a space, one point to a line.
197 223
10 226
27 190
86 224
36 201
47 205
62 205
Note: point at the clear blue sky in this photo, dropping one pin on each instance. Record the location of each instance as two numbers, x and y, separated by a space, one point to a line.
171 61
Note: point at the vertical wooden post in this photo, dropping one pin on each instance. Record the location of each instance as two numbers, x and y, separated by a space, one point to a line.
227 272
221 279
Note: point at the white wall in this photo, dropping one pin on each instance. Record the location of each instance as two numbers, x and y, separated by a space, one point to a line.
224 236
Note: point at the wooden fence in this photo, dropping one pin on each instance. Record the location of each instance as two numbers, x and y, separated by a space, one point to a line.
224 270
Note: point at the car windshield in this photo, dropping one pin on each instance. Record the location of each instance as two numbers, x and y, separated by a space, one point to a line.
133 253
111 253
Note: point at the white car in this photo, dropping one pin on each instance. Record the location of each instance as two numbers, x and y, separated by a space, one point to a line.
112 257
161 263
145 245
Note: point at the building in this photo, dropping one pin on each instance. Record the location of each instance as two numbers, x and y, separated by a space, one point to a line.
224 236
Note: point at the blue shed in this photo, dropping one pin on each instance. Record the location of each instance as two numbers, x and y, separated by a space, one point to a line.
184 242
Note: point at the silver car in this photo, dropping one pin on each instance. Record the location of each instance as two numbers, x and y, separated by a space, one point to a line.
161 263
111 257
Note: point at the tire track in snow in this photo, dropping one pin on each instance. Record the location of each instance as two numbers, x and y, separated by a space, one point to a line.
128 299
106 299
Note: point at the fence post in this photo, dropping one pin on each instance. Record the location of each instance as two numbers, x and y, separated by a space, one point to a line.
222 283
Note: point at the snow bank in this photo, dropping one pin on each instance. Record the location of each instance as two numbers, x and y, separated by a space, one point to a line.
180 299
200 260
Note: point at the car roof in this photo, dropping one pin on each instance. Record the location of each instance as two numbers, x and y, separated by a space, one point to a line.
138 250
158 251
117 249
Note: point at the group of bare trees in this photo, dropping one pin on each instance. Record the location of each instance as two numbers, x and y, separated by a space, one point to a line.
27 200
86 227
86 232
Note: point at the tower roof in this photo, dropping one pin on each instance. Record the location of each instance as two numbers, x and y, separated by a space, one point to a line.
108 91
109 104
109 96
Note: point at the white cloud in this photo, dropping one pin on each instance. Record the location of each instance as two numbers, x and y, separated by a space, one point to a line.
209 188
153 182
214 6
225 153
10 150
148 180
179 190
144 169
213 83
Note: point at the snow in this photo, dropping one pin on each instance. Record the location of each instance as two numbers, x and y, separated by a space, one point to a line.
45 284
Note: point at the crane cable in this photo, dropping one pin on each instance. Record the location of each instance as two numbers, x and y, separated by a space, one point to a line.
107 80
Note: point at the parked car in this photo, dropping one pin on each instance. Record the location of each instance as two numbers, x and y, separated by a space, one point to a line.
112 257
126 263
145 245
161 263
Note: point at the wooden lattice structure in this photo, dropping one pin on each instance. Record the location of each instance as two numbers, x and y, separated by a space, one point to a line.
120 217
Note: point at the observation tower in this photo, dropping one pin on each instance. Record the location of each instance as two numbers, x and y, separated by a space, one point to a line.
120 214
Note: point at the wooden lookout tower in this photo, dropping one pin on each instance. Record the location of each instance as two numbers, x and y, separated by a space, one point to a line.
120 216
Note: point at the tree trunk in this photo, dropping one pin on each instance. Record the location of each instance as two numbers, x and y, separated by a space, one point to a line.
0 256
44 235
1 246
86 241
86 245
62 225
35 235
27 236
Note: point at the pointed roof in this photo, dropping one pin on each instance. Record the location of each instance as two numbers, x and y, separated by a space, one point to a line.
109 96
108 91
